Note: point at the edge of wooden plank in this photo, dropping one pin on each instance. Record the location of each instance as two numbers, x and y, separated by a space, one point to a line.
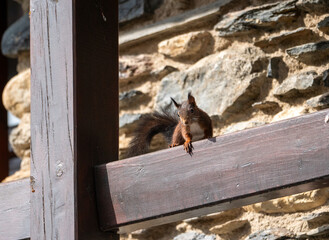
15 209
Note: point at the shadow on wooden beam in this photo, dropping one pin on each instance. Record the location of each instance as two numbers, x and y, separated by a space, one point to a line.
229 171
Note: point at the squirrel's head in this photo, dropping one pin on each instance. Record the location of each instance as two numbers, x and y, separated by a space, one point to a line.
187 111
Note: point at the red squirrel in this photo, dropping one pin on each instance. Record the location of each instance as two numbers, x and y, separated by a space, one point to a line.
192 124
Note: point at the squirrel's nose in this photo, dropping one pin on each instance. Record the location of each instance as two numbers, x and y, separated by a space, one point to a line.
185 122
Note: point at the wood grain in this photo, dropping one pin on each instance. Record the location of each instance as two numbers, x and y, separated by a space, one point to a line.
229 171
4 154
53 213
15 210
74 113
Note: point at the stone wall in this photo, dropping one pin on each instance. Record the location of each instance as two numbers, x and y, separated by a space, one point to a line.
251 63
261 62
16 95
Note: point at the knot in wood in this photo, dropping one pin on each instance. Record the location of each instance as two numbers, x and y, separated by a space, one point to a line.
59 169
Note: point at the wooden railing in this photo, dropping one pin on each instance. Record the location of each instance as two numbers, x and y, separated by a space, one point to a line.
74 57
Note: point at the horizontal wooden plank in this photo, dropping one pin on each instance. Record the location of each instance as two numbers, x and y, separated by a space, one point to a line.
15 210
229 171
184 21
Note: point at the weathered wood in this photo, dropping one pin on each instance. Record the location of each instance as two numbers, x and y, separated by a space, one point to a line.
53 214
183 22
15 210
4 154
232 170
74 113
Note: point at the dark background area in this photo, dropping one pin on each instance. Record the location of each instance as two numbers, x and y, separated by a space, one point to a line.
10 11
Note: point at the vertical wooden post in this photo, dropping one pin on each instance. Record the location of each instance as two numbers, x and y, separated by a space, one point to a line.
96 99
4 154
74 113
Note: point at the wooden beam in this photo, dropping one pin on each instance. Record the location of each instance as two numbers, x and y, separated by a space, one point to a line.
15 209
229 171
4 153
74 113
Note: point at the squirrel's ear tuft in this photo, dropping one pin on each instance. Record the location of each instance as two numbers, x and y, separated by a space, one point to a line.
175 103
190 98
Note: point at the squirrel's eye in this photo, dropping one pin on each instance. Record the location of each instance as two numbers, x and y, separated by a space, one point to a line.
192 111
178 114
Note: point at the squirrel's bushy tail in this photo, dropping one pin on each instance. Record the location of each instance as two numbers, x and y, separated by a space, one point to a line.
150 125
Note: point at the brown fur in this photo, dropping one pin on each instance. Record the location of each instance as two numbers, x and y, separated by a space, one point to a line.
177 132
189 113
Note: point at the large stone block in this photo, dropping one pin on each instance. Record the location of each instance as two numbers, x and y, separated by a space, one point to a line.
16 94
298 84
190 45
265 17
16 38
311 53
221 83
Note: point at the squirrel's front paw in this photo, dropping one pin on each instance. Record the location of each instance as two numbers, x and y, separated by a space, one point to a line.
188 147
173 145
